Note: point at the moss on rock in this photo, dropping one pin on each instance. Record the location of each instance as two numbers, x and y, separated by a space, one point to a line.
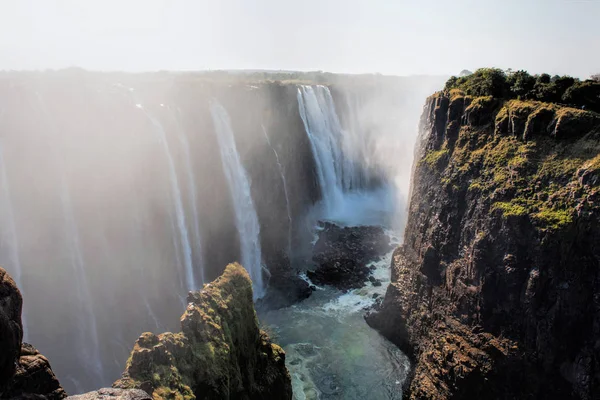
219 354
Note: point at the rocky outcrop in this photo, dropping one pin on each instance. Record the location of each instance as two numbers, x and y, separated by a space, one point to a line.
220 352
342 254
495 292
24 372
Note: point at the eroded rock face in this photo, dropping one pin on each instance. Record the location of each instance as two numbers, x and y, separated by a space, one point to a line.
220 352
495 292
343 253
24 372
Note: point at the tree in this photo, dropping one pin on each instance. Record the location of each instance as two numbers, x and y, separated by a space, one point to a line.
520 83
584 94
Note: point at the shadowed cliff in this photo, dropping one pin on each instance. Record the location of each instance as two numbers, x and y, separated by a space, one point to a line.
495 291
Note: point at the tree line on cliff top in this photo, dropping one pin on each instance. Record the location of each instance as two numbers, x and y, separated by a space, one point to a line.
521 85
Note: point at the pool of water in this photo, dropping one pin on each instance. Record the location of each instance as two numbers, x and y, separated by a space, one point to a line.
331 352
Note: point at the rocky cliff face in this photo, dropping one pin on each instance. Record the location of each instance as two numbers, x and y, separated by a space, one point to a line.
24 372
496 289
220 352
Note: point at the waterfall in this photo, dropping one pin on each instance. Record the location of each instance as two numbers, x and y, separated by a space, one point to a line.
88 330
176 197
319 120
246 219
192 194
13 239
82 287
285 190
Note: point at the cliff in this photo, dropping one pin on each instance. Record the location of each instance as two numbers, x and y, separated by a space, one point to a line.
496 290
24 372
220 352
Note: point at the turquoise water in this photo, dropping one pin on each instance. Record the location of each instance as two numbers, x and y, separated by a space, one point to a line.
331 352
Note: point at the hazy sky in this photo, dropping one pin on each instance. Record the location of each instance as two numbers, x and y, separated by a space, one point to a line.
395 37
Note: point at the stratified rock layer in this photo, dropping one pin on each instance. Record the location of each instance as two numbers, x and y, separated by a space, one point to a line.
496 291
220 353
342 254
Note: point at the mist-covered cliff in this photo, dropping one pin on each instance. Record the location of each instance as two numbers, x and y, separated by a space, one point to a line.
122 192
495 291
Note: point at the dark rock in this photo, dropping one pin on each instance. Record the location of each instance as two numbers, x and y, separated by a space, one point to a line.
285 287
219 353
34 377
342 254
11 329
24 372
113 394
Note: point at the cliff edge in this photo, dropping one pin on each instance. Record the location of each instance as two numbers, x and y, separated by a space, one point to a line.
496 290
220 352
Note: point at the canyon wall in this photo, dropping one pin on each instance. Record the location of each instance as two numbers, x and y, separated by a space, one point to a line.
496 290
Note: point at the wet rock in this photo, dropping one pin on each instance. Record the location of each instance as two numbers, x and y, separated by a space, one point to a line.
342 254
285 286
113 394
219 353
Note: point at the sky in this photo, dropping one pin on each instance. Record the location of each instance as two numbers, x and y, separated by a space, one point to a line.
400 37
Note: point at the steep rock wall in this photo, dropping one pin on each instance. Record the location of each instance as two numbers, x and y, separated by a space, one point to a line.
496 290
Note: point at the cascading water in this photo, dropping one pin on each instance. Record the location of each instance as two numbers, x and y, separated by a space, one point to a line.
246 218
285 189
324 142
190 279
199 262
88 330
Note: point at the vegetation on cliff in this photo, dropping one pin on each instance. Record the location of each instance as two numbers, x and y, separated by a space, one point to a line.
521 85
219 354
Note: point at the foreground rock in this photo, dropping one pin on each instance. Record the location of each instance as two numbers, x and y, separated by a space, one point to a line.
113 394
343 253
495 293
219 354
11 329
24 372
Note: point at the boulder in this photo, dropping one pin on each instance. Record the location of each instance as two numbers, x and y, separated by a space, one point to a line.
343 254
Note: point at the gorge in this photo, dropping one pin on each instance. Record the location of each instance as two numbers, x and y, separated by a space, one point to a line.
318 244
122 192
